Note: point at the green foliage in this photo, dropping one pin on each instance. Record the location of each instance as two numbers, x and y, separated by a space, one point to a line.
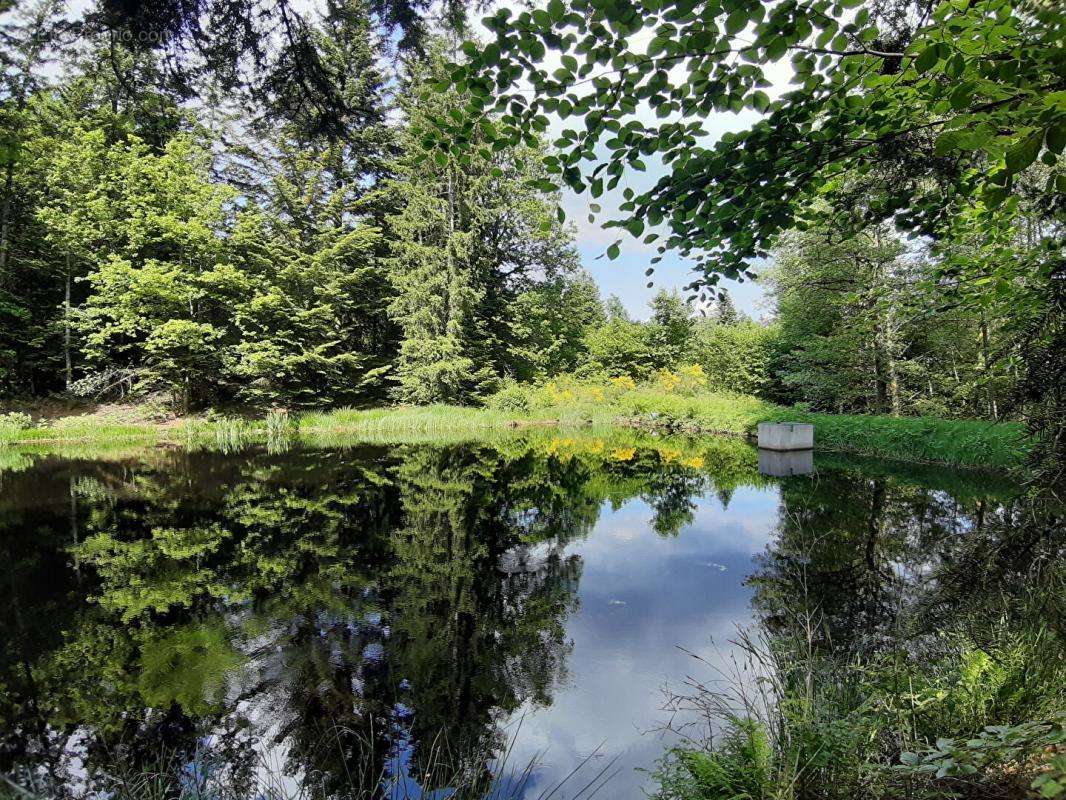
179 354
549 326
739 767
621 346
843 713
736 357
13 423
670 332
310 324
888 332
476 246
513 398
274 262
994 747
918 106
840 326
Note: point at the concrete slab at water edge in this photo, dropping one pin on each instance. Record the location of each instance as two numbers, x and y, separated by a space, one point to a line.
786 435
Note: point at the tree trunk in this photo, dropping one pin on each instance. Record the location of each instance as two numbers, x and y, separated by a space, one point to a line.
5 216
880 383
986 359
453 311
66 328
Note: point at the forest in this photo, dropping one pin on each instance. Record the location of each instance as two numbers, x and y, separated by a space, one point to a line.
323 439
343 224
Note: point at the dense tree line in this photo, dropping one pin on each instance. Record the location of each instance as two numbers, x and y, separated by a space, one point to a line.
319 239
226 257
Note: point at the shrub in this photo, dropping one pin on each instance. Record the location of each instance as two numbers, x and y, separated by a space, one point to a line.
736 357
1021 755
686 380
513 397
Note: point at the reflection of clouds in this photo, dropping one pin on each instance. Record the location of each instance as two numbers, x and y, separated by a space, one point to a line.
642 598
625 533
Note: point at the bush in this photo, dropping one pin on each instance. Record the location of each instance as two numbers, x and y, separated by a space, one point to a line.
736 358
513 398
1009 757
686 380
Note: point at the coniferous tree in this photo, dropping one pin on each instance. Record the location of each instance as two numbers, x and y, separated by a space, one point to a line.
469 237
725 312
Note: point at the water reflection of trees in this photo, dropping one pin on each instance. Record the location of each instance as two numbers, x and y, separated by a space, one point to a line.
878 562
362 613
367 613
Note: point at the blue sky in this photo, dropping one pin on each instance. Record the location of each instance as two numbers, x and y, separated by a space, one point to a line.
624 276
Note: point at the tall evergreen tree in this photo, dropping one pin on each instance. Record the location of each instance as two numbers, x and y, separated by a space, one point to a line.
470 236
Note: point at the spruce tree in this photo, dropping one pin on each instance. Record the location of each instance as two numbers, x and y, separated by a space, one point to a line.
470 237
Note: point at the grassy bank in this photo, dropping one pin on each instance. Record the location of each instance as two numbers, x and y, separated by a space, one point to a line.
670 408
963 443
986 445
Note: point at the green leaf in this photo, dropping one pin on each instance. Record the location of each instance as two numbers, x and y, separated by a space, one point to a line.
613 251
1056 137
1024 151
961 96
926 59
950 140
736 21
776 48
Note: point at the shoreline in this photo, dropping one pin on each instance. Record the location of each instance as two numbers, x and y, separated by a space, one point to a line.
969 444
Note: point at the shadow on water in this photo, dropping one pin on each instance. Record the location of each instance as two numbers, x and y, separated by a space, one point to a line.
372 621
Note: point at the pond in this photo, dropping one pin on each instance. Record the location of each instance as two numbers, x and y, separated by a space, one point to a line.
390 620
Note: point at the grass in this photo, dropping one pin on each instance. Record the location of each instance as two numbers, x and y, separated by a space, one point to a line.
689 409
792 722
967 443
568 403
486 771
963 443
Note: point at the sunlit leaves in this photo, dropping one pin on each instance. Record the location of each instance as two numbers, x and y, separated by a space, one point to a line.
967 87
1024 151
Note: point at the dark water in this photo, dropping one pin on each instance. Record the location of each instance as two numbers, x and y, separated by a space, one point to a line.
367 621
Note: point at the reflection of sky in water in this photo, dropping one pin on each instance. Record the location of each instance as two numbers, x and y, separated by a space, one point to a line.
641 597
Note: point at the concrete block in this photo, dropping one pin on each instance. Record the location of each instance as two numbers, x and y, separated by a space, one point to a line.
779 463
786 435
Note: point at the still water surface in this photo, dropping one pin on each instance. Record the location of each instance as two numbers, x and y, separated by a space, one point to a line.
401 618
